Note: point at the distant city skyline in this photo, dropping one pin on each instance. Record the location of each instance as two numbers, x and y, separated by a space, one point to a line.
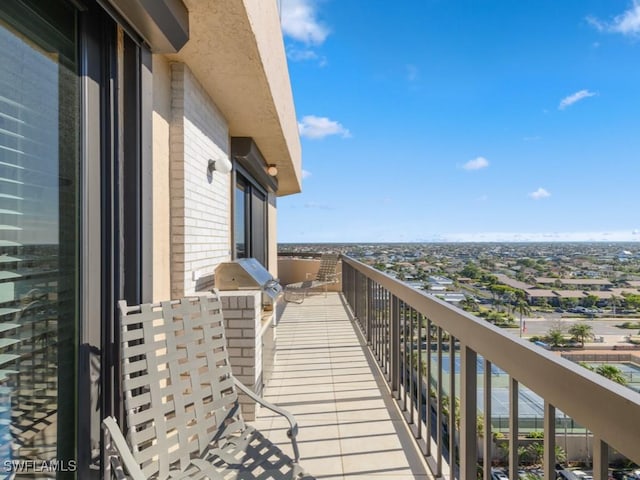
459 121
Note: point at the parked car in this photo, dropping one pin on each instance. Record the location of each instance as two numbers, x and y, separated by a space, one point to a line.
582 475
566 475
498 475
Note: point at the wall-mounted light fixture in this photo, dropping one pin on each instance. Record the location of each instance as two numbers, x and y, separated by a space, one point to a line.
272 170
222 165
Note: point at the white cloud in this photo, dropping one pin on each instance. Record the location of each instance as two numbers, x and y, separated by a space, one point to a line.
305 55
306 173
319 127
627 23
299 22
300 55
574 97
586 236
539 193
476 164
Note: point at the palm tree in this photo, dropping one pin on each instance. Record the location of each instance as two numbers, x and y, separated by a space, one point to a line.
522 308
581 332
614 302
612 373
609 371
555 336
508 298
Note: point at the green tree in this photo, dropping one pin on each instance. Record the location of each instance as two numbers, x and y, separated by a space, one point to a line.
581 332
589 301
567 303
632 301
471 270
471 304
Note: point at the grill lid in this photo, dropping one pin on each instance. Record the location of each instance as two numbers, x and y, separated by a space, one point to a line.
246 274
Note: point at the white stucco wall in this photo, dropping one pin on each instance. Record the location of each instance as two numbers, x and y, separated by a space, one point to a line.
200 201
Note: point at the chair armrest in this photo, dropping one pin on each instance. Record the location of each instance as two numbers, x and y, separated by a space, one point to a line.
117 449
293 430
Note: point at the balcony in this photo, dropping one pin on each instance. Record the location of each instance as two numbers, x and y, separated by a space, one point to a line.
344 366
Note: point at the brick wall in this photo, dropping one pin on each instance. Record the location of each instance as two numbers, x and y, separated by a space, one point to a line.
243 327
200 201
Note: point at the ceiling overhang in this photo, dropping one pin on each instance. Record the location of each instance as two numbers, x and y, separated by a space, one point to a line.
236 52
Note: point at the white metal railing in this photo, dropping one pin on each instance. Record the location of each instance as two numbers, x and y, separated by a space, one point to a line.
395 318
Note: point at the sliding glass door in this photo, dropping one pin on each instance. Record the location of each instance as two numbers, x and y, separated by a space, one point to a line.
39 181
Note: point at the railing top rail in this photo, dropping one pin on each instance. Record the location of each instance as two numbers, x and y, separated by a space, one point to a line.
609 410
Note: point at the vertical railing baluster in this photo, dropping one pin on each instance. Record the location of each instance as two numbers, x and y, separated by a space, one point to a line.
468 413
419 377
371 311
452 405
549 441
488 427
428 393
385 336
405 359
394 343
513 428
439 413
378 319
600 459
412 364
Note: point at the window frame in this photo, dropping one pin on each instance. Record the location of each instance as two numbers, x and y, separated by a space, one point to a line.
254 234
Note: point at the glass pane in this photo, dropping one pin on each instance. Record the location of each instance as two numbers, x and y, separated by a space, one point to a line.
38 231
240 225
259 226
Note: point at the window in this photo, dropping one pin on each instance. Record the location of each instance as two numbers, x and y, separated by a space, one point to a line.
250 219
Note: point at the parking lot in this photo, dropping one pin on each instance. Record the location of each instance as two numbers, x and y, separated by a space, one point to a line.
602 326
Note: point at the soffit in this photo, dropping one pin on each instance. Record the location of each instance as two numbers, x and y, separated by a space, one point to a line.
236 52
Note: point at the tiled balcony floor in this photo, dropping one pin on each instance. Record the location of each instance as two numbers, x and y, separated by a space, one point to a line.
348 429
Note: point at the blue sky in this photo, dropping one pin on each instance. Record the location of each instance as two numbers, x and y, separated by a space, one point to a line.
464 120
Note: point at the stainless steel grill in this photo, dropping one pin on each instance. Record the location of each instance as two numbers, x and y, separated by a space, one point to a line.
248 274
